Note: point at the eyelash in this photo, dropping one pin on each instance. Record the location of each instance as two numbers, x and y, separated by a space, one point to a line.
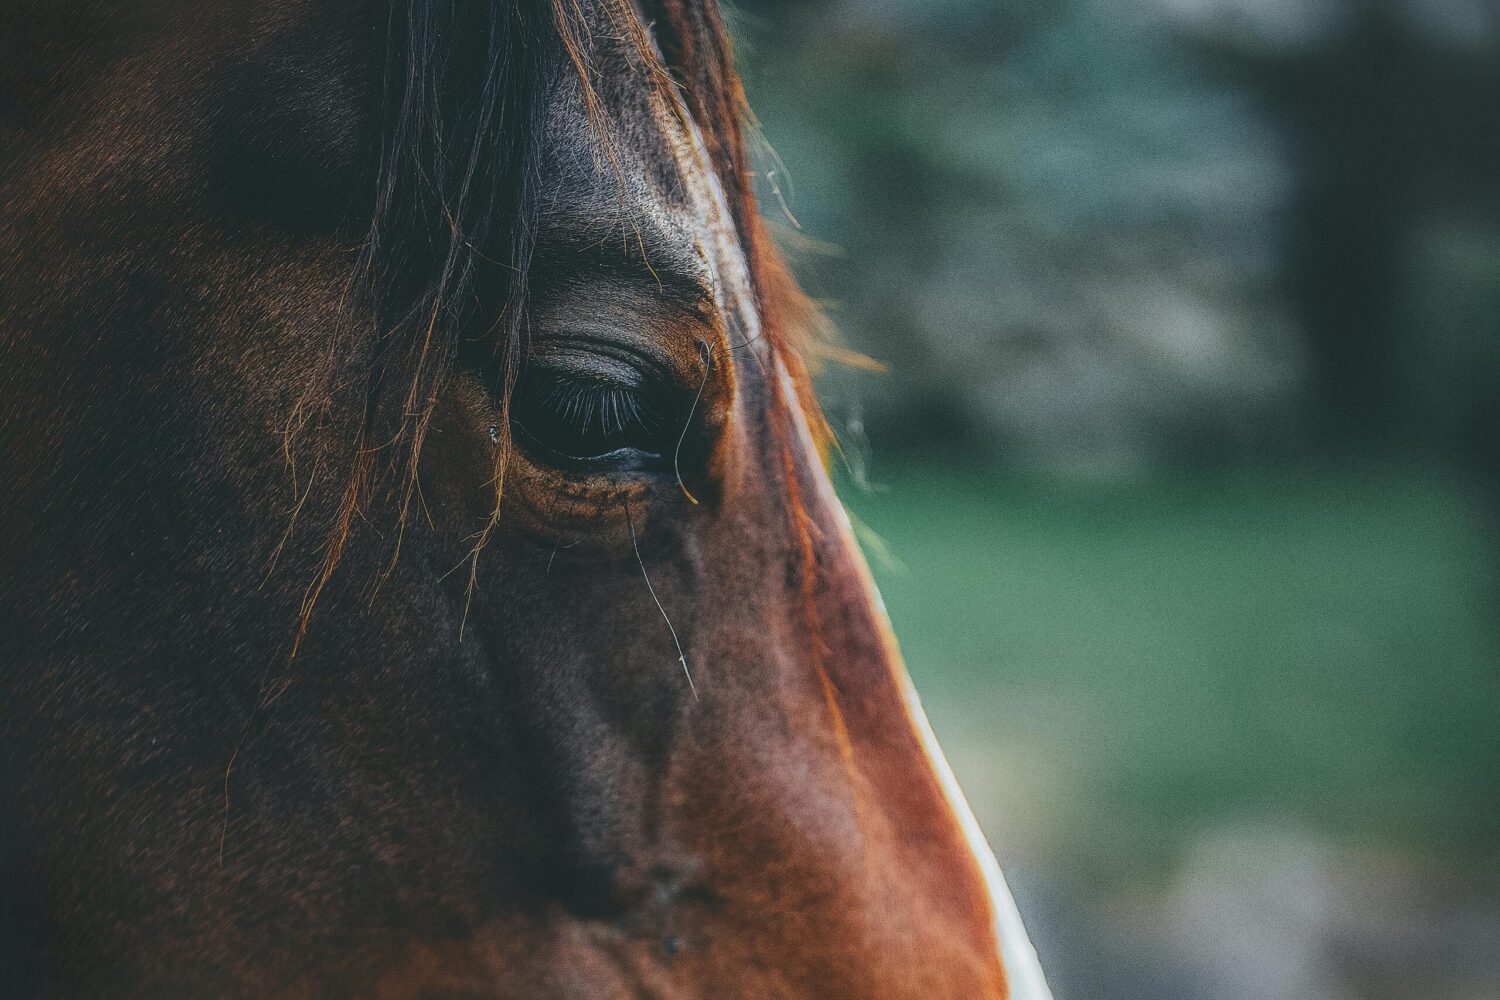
586 421
615 408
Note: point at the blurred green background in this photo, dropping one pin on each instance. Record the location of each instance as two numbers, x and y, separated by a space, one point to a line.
1182 484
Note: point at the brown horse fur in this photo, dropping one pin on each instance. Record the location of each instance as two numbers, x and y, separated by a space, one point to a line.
317 679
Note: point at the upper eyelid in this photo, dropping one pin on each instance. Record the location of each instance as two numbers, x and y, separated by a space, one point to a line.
667 267
621 379
592 357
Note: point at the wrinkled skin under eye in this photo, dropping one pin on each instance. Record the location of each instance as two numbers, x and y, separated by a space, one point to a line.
592 413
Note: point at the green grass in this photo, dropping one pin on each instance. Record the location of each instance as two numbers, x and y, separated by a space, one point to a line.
1115 672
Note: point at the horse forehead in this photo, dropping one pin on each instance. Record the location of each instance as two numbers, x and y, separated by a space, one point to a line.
636 169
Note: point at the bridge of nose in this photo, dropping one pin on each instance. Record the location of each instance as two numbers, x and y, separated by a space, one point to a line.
791 819
919 904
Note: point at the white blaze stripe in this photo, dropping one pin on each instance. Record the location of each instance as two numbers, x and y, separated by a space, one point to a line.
1023 971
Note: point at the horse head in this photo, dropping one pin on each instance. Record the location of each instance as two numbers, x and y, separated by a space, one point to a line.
421 573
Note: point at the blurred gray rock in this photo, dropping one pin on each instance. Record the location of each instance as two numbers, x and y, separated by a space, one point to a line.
1260 911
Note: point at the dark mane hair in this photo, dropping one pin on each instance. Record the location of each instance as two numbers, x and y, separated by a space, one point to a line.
446 257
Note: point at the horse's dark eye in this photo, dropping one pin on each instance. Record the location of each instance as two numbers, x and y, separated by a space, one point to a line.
588 420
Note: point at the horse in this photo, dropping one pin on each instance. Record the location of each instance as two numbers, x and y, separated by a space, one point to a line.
421 572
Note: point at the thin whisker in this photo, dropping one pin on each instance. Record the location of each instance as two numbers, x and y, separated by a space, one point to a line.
555 549
681 655
708 367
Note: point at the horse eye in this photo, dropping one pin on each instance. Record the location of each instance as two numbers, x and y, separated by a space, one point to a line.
586 421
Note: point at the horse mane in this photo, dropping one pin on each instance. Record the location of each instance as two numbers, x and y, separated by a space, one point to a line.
445 261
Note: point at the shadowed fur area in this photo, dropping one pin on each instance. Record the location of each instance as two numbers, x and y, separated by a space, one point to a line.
420 574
